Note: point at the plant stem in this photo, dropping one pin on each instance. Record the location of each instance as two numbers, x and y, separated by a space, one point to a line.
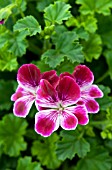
35 49
100 122
46 45
81 135
21 12
102 77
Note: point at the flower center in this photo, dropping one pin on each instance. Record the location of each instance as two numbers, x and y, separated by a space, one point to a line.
60 106
33 91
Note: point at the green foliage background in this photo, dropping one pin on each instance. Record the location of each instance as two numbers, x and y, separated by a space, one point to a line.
55 34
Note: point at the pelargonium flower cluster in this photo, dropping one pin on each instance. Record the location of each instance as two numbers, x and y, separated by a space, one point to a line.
63 100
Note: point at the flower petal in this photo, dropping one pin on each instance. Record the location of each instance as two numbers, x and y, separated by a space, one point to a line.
83 75
80 102
46 95
68 121
23 105
52 77
81 113
46 122
20 92
66 74
95 92
28 76
39 108
68 91
92 106
17 94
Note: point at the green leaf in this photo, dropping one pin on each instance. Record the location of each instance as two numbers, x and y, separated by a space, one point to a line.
45 151
66 46
97 159
105 29
53 58
66 66
82 34
12 130
72 144
18 44
2 30
4 37
90 7
27 164
4 3
28 23
42 4
20 5
5 102
106 132
108 56
106 101
19 2
57 12
108 144
58 29
15 43
7 61
92 47
88 22
6 11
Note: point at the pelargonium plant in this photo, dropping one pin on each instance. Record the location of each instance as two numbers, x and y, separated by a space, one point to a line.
63 100
57 113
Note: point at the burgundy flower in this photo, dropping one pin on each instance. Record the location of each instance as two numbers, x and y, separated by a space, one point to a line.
28 78
84 78
57 107
63 101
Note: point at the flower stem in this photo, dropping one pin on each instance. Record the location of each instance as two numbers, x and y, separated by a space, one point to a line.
100 122
35 49
21 12
102 77
46 45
